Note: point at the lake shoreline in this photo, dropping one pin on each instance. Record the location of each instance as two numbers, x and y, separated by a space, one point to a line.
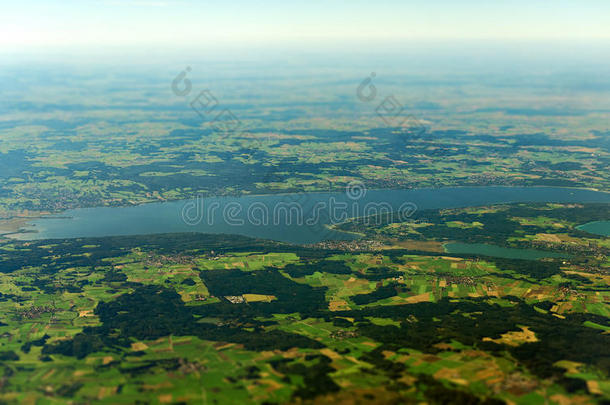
165 216
600 228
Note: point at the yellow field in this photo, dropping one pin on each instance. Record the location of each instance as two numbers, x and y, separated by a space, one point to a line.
259 298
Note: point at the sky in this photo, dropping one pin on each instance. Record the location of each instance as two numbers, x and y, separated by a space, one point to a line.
63 24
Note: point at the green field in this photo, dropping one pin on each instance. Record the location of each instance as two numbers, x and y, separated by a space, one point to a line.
162 319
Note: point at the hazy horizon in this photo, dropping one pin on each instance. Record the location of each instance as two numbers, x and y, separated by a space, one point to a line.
171 24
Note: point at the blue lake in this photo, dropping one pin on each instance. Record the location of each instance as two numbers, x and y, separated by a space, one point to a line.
293 218
598 228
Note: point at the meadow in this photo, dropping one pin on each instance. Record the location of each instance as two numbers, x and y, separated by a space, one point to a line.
193 318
